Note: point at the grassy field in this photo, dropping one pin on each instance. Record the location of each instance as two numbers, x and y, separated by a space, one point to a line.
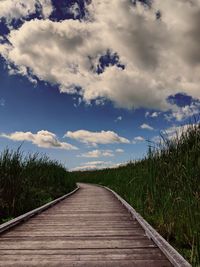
27 182
164 188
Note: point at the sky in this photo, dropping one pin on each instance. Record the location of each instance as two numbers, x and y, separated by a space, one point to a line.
91 82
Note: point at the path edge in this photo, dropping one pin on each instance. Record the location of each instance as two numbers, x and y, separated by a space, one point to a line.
172 255
7 225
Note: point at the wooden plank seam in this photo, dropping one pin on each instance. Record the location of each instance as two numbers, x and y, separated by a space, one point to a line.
174 257
6 226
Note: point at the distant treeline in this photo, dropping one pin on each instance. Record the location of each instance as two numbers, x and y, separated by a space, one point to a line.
164 188
27 182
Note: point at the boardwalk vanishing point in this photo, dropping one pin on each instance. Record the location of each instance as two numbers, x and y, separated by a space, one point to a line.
89 228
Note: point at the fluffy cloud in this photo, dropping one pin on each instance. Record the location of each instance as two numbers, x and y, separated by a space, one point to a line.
138 139
2 102
161 57
47 7
182 113
172 132
92 165
75 10
175 131
41 139
118 119
146 127
97 154
11 9
94 138
100 153
84 168
96 165
119 150
15 9
152 115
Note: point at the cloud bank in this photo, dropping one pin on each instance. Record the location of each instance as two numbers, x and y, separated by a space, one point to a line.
16 9
42 138
161 56
97 154
94 138
171 133
96 165
138 139
146 126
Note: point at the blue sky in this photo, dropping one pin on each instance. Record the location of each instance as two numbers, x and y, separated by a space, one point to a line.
81 85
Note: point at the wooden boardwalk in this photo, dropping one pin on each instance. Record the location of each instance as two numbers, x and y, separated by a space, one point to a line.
90 228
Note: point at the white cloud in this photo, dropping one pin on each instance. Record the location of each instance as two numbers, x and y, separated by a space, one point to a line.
84 168
156 139
97 154
96 165
100 102
100 153
47 7
146 127
119 150
151 50
94 138
175 131
182 113
138 139
172 132
42 138
15 9
2 102
74 10
154 114
118 119
93 165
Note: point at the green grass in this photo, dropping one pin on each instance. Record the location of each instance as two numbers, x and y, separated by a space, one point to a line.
164 188
27 182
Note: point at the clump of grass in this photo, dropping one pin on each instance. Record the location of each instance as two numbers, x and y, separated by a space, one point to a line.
164 187
27 182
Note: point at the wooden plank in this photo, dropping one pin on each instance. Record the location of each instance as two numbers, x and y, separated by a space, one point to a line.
91 228
77 257
175 258
113 263
93 251
79 226
132 232
16 221
81 238
76 224
67 244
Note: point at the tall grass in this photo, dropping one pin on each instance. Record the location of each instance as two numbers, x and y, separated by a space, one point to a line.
165 188
27 182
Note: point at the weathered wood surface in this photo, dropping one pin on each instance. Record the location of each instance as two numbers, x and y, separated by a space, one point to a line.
90 228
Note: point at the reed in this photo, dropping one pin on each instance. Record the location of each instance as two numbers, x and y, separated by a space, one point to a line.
164 188
27 182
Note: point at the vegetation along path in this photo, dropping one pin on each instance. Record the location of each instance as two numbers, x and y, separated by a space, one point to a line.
89 228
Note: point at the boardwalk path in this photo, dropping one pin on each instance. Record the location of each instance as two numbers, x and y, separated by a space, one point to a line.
90 228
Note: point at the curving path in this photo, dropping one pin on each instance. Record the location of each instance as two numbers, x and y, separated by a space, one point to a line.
90 228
